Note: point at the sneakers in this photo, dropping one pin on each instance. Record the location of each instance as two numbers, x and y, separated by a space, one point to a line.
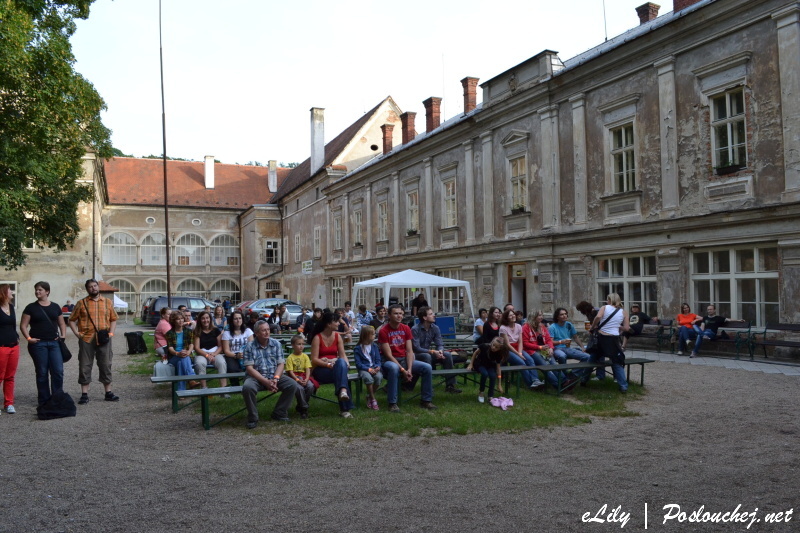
394 408
278 418
452 389
10 410
537 384
427 405
346 414
252 425
343 396
111 397
692 355
84 399
679 352
481 399
372 404
304 415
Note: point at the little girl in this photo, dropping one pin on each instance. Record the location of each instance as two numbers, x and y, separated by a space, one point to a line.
368 363
487 360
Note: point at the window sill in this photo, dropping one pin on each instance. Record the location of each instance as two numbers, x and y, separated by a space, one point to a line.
622 207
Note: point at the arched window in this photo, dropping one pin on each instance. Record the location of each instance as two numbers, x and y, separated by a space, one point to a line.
191 287
224 288
190 250
153 287
125 292
154 252
224 251
119 249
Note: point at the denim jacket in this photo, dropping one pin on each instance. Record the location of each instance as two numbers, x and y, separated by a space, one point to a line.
362 362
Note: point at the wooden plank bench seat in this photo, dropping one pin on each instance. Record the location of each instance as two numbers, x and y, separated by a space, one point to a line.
174 380
735 332
660 330
769 336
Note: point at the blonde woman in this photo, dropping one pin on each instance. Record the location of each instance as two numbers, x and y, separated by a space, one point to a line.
610 320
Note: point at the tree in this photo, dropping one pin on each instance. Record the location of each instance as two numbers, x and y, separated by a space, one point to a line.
49 118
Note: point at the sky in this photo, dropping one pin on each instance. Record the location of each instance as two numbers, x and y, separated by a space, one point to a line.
240 76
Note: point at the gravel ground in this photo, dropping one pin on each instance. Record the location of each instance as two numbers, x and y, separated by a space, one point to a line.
705 436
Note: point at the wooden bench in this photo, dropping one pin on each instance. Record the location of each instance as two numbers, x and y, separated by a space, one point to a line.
773 329
629 361
204 394
174 380
735 332
660 330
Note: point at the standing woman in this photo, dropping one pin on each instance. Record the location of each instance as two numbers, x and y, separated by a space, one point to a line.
610 320
46 324
219 318
9 347
207 348
330 362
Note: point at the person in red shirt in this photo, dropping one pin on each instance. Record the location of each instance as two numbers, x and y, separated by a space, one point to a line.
395 339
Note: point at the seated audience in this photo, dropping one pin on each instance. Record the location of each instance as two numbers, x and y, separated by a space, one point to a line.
428 345
638 320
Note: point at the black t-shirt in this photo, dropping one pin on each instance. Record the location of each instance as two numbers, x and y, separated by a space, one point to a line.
714 322
637 321
8 327
41 327
486 357
489 333
208 341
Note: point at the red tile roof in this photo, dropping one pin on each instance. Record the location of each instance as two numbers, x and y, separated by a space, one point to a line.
302 173
132 181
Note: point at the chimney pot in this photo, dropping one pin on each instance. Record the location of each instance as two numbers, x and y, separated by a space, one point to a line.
470 87
272 178
317 139
209 171
407 124
432 113
647 12
677 5
387 137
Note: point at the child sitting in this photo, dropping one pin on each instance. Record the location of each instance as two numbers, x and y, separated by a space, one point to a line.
368 363
487 360
298 367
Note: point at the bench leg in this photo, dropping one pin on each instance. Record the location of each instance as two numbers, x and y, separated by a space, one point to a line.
175 407
206 413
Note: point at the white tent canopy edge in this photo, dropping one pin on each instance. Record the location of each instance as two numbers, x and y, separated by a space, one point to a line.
412 279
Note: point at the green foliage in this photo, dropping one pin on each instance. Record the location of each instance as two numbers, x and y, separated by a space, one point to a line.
153 156
116 152
49 118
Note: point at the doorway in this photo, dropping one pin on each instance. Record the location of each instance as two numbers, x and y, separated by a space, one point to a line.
517 287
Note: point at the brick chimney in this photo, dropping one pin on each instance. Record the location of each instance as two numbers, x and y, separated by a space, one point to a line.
470 87
407 123
387 137
209 167
272 177
317 139
647 12
432 113
677 5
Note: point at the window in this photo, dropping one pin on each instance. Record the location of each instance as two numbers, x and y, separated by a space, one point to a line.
284 249
317 241
337 288
450 206
125 292
154 250
224 251
190 250
741 282
358 227
272 252
383 221
364 296
632 277
337 233
191 287
450 299
224 288
728 129
412 210
29 244
624 160
154 287
297 248
519 184
119 249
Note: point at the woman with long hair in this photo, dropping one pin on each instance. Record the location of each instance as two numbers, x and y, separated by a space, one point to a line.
219 319
487 360
538 345
42 323
9 347
330 361
491 327
234 339
512 333
180 342
610 320
207 348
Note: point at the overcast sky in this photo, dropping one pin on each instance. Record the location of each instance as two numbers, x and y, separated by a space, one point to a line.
241 75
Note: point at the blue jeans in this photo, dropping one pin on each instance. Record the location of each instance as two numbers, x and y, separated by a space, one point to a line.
706 334
529 376
47 360
490 373
686 334
338 376
183 367
551 377
562 353
391 371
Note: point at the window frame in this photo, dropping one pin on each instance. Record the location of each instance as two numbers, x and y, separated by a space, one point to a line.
129 248
276 248
626 280
628 182
449 203
728 122
383 221
412 210
518 183
229 251
197 258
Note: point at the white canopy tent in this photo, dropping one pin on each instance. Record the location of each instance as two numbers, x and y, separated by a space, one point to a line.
121 304
412 279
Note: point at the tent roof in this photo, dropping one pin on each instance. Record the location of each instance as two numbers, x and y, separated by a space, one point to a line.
412 279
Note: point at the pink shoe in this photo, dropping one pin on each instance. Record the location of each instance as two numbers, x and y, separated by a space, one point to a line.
373 404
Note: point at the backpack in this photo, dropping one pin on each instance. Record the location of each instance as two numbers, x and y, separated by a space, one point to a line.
136 344
60 405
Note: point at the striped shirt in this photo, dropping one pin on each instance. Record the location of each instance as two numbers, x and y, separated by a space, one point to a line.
101 311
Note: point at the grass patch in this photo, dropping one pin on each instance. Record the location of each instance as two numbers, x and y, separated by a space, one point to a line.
139 322
459 414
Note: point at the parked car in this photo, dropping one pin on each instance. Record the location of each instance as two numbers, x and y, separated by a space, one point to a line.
151 311
265 306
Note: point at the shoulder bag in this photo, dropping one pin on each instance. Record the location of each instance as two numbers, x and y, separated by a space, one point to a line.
592 346
66 355
102 334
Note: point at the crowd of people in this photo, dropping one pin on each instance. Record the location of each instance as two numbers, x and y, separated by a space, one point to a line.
388 352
